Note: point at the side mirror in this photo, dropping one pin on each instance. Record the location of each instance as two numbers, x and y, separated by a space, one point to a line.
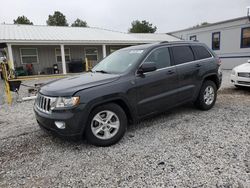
248 60
147 67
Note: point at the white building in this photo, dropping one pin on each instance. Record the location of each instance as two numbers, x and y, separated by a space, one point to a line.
229 39
43 47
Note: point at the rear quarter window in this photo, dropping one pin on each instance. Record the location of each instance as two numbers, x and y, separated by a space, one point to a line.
182 54
201 52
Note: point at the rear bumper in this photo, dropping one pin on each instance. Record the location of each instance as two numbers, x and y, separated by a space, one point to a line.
74 119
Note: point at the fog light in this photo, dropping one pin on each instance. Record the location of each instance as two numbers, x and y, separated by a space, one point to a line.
60 124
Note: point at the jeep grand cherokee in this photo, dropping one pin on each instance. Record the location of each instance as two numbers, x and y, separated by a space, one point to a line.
128 85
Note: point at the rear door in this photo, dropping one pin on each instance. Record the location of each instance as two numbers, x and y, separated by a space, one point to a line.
156 90
188 71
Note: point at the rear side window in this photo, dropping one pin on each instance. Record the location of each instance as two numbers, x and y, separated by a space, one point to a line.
161 57
201 52
182 54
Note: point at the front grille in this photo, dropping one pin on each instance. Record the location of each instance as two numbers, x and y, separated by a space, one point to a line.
245 83
43 103
244 74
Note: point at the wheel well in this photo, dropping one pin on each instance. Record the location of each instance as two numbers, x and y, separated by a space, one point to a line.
123 105
214 79
126 109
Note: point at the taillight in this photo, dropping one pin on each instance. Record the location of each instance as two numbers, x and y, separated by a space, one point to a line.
219 61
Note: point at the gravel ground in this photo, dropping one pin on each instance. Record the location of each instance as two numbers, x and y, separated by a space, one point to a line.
183 147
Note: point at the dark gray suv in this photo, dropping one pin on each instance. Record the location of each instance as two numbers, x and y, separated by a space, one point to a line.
128 85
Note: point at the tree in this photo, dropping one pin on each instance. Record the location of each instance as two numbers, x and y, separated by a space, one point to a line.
142 27
57 19
22 20
202 24
79 23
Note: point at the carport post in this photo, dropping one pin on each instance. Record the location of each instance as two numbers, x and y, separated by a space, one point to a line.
10 56
63 60
104 52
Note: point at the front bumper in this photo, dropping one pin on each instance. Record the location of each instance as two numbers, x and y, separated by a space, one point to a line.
240 81
74 119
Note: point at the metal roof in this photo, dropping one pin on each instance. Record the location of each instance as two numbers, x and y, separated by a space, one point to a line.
210 24
12 33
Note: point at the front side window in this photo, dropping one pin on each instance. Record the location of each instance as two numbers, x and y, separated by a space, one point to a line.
29 55
216 41
193 38
160 57
201 52
119 61
245 38
59 56
91 54
182 54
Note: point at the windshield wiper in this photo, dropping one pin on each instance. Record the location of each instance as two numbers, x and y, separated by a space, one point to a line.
102 71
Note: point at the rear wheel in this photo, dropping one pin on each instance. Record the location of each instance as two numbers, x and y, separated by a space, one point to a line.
207 95
106 125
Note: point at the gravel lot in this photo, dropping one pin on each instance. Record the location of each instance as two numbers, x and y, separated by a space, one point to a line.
183 147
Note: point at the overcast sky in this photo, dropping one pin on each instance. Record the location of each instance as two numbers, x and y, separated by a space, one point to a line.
167 15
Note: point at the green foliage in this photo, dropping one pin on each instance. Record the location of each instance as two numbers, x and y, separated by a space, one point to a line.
142 27
202 24
57 19
22 20
79 23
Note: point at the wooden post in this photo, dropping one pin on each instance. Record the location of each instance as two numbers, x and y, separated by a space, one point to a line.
86 65
63 60
10 57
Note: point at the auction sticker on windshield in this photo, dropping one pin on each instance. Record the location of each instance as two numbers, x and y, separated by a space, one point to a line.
136 51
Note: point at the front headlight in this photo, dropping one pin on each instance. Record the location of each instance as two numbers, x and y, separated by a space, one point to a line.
64 102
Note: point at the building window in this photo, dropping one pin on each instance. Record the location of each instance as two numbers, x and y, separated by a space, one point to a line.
193 38
216 41
29 55
245 38
59 56
91 54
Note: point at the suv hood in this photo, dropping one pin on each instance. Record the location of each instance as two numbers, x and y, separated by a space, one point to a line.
243 68
70 85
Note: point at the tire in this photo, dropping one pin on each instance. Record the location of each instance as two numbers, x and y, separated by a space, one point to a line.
106 125
239 87
207 96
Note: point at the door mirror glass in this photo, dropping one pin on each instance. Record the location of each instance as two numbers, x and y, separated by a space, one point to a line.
147 67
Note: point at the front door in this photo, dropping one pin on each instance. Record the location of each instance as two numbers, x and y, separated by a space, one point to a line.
156 91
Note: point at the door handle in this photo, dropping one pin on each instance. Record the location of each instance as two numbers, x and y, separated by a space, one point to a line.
198 65
170 72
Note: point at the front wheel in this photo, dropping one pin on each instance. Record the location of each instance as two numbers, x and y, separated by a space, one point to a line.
239 87
106 125
207 95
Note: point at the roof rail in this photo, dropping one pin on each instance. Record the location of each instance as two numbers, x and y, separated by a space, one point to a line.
164 42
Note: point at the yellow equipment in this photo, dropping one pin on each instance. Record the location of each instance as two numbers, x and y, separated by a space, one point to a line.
6 82
88 65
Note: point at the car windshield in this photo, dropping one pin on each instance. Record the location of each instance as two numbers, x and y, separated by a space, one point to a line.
118 62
